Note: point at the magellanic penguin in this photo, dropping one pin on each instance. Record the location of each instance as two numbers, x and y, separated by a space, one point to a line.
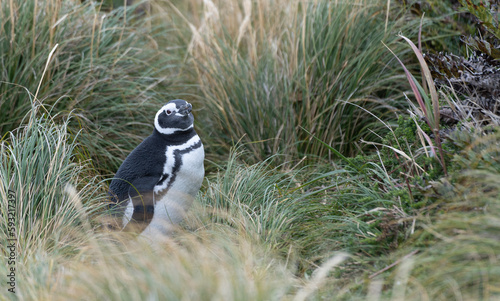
159 179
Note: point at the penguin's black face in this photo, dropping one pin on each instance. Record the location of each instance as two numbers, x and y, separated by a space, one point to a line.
173 117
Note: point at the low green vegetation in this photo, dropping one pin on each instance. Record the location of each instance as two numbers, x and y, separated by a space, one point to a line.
347 159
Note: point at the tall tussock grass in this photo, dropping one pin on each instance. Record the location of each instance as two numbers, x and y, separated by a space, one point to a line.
38 161
269 70
40 222
229 253
249 234
255 200
291 78
110 68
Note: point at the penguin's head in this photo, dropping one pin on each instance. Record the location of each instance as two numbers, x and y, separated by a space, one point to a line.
174 117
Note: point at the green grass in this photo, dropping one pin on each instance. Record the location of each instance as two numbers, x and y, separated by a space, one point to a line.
38 161
283 94
237 229
107 68
256 232
302 66
256 227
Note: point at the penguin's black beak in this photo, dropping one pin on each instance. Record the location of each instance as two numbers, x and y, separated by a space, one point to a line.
185 109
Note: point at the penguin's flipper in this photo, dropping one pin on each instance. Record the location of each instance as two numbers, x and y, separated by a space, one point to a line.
141 192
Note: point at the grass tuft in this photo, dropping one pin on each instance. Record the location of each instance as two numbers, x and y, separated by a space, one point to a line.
37 165
110 70
305 69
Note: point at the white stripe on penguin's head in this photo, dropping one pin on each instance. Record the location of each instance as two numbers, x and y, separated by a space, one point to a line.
168 120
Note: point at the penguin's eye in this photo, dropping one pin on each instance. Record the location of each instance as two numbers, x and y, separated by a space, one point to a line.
169 112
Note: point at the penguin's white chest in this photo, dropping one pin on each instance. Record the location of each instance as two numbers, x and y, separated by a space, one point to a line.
189 174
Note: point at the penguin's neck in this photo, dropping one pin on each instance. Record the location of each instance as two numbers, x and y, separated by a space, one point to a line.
176 138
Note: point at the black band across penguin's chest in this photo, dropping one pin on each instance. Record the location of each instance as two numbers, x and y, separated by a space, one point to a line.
178 154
